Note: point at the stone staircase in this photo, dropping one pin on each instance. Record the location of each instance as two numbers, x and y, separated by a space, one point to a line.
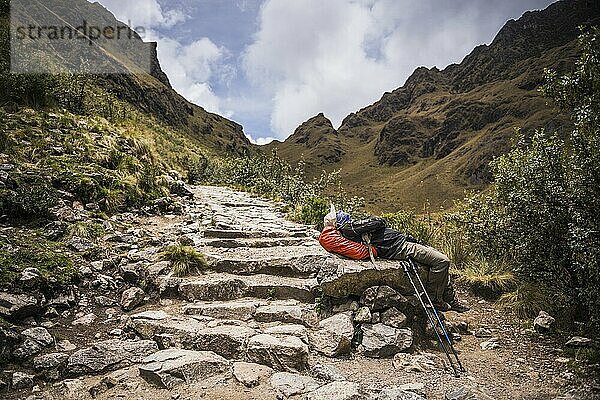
257 301
252 315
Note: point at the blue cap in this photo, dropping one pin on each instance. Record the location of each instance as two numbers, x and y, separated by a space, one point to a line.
342 218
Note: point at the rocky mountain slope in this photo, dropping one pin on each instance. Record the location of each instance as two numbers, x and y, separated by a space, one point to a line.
432 138
151 94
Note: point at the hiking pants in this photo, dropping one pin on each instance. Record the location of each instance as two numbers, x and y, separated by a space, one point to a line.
437 264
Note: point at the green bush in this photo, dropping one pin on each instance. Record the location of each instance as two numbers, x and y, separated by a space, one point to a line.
422 228
31 198
541 213
312 211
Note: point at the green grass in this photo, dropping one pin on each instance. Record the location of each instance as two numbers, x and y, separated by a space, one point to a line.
184 259
51 259
526 301
487 278
85 230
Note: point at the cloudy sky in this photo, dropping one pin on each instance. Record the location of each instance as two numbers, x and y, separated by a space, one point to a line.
272 64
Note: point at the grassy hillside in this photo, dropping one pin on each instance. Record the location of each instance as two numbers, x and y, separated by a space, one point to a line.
433 138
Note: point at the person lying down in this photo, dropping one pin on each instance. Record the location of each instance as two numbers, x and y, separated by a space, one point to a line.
359 240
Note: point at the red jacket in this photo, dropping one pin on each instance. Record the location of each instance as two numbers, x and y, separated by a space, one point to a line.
333 241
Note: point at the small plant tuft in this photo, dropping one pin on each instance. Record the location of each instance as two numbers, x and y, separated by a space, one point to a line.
488 278
184 259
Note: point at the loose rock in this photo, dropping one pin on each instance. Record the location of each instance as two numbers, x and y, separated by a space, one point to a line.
131 298
293 384
334 336
363 315
40 335
544 323
250 374
21 380
394 318
168 368
380 340
378 298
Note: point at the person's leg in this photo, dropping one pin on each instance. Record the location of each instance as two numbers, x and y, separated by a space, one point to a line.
438 278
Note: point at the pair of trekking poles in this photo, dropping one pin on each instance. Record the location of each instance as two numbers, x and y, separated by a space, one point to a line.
445 342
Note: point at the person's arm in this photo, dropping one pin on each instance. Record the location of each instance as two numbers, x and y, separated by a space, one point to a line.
368 225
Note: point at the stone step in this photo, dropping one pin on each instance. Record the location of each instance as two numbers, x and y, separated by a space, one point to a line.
253 243
293 261
228 338
252 234
224 286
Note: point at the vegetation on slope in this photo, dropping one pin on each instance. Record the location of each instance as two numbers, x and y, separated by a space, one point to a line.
541 212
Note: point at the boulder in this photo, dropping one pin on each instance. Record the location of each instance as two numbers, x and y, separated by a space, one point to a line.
579 341
544 323
394 318
250 374
109 355
326 373
239 309
40 335
381 340
21 380
131 298
290 384
363 315
379 298
334 336
48 361
466 393
226 340
342 278
27 349
299 331
286 353
168 368
340 390
18 306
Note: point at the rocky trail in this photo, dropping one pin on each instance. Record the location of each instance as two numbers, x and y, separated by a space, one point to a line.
273 317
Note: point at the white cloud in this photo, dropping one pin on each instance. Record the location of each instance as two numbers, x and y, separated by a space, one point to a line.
146 13
338 56
191 67
260 140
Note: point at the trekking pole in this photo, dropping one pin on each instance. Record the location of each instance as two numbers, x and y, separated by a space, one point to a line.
436 323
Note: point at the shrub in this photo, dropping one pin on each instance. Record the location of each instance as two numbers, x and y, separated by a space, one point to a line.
184 259
421 228
312 211
30 199
541 211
